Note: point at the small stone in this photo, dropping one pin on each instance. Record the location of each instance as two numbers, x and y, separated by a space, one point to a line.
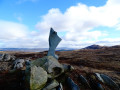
18 63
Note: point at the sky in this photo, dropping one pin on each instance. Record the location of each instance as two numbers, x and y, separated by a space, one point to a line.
79 23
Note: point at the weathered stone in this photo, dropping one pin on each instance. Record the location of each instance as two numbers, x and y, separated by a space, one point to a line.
94 84
99 77
27 62
5 66
99 86
72 85
6 57
1 57
36 78
108 81
67 67
54 40
60 87
84 82
50 64
52 85
18 63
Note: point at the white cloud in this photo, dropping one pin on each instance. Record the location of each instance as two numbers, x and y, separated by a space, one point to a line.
17 35
11 30
79 20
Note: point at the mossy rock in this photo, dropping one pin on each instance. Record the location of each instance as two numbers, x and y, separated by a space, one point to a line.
36 79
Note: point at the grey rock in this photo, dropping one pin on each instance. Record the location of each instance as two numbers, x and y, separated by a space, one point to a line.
108 81
36 78
60 87
93 82
5 66
84 82
67 67
50 64
1 57
6 57
52 85
27 62
99 77
99 86
18 63
72 85
54 40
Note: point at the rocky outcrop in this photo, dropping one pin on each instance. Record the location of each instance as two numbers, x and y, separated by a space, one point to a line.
6 57
6 61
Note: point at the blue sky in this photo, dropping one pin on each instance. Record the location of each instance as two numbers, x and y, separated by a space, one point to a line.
26 23
31 10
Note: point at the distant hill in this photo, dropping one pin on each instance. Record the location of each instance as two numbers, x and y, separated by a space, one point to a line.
101 47
94 47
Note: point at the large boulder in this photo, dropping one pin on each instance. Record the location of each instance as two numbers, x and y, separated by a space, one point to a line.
50 65
38 78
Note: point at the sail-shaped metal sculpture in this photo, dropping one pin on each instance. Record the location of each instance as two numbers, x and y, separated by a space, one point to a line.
54 40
